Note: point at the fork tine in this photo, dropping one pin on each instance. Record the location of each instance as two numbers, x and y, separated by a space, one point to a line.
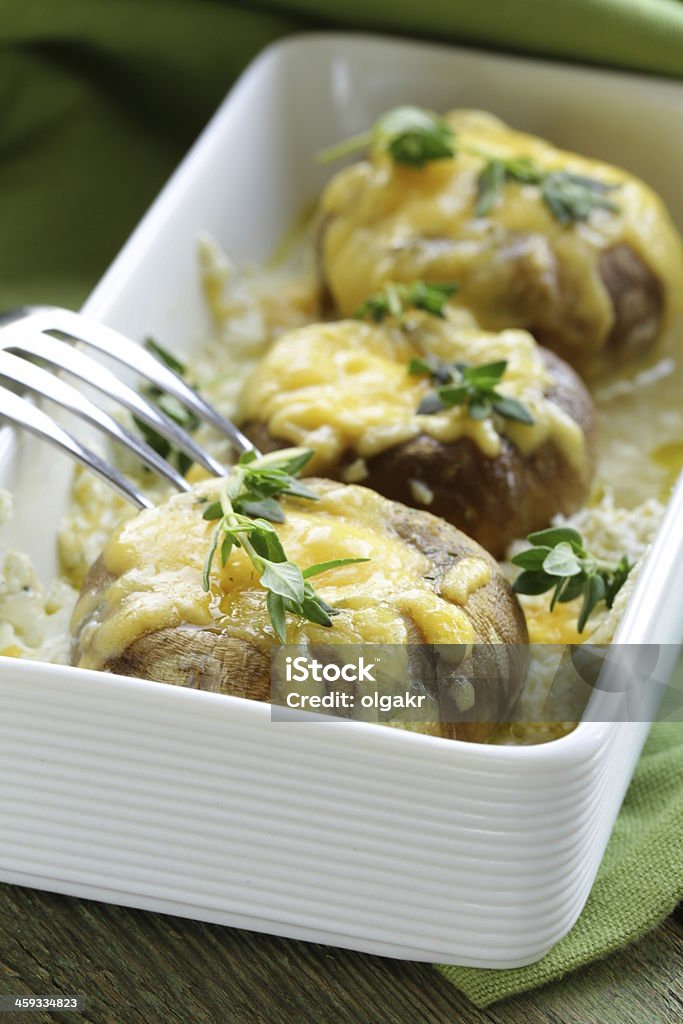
111 343
21 412
44 383
64 355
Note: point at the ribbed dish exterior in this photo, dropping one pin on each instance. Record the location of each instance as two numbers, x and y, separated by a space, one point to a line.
352 834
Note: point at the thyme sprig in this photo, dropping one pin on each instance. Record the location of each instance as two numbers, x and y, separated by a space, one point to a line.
472 386
569 197
414 137
410 135
396 298
245 512
558 560
173 408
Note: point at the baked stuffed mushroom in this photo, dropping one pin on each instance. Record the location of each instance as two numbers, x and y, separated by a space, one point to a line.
145 609
580 253
487 430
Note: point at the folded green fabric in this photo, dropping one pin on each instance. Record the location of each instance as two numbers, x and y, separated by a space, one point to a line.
642 34
639 883
100 100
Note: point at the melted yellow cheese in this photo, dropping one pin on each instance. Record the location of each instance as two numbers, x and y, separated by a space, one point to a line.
157 560
470 575
516 266
344 387
552 627
12 651
670 457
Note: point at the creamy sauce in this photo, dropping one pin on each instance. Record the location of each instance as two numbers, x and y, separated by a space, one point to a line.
157 560
385 221
345 388
641 427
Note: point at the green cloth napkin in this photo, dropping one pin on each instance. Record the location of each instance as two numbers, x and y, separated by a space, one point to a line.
639 882
101 98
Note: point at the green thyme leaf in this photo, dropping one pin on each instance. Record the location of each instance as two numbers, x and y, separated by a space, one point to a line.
536 582
513 409
569 197
567 585
557 535
299 490
166 357
453 394
484 375
559 561
285 579
206 575
276 612
170 405
438 370
594 592
290 461
524 170
572 197
247 457
396 298
213 511
265 508
176 411
496 172
315 570
615 582
266 542
414 136
489 186
411 136
479 408
574 587
226 548
315 610
472 386
245 514
431 404
419 365
532 558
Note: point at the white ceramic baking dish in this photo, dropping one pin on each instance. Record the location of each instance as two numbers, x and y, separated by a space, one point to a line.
357 835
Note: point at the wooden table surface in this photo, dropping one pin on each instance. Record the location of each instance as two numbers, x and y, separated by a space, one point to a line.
135 966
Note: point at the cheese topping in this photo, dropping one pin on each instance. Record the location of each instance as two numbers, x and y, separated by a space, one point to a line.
157 559
516 266
468 576
344 387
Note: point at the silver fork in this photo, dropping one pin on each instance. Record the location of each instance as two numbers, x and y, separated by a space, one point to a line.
29 332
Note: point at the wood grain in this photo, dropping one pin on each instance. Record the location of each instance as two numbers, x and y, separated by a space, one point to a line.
141 968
